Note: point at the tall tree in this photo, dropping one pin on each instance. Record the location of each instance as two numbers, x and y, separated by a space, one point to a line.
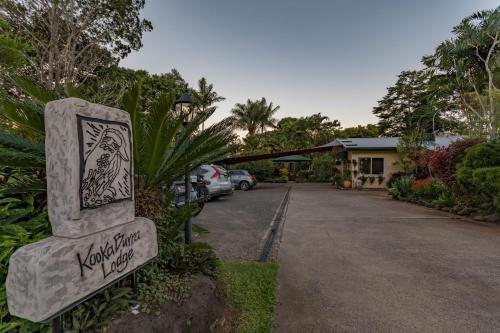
267 117
71 38
468 66
409 104
205 97
254 115
368 131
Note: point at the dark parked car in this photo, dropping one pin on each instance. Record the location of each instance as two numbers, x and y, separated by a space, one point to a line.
242 179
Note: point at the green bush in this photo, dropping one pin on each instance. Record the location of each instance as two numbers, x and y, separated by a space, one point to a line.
443 200
478 179
281 179
427 189
322 168
482 155
401 187
487 180
260 169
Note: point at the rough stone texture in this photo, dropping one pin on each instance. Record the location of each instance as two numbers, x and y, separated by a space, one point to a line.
63 170
48 276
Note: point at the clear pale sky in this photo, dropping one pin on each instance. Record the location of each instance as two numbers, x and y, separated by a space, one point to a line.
333 57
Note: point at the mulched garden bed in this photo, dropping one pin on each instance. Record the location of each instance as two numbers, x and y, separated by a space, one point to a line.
204 310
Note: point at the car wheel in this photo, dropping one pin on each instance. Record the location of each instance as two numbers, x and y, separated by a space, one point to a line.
244 185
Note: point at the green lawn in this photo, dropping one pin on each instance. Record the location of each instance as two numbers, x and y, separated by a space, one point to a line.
251 287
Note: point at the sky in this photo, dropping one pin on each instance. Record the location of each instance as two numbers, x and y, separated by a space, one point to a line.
310 56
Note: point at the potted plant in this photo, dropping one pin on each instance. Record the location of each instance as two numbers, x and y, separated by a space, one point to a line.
354 163
355 173
363 179
381 179
338 162
347 179
372 179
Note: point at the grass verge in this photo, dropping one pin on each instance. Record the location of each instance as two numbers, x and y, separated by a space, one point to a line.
251 287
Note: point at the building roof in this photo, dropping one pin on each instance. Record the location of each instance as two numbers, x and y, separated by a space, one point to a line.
292 158
347 144
366 143
388 143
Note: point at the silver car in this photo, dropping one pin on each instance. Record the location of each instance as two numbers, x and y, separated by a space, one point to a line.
216 180
242 179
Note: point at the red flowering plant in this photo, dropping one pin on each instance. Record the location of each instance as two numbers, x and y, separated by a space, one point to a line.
427 189
421 183
443 162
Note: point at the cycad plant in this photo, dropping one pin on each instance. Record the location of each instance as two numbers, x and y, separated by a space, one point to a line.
166 148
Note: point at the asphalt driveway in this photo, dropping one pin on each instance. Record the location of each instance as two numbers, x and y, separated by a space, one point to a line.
357 261
238 224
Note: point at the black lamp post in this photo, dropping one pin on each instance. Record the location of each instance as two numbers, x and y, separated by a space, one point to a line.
183 106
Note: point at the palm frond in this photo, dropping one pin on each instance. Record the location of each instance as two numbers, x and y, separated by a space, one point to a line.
33 89
23 114
19 143
24 184
131 105
156 137
15 158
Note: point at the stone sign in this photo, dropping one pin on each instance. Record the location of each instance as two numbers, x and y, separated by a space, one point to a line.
97 239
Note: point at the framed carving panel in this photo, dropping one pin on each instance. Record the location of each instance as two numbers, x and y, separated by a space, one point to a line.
105 162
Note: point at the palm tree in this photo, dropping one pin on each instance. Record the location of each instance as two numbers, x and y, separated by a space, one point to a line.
247 116
205 97
268 111
254 115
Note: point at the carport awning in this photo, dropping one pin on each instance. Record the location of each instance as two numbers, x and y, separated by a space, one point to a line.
241 159
292 158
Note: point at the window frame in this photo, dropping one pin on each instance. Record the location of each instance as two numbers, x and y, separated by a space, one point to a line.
371 166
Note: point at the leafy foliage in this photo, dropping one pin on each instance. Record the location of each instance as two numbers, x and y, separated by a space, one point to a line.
99 311
255 116
401 187
69 40
465 69
165 147
409 105
443 161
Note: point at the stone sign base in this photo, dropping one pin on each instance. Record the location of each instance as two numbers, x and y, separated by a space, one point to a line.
53 274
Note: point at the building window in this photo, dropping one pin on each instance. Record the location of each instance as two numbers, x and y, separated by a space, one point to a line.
371 166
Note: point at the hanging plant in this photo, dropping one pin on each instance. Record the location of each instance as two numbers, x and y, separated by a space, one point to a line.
354 162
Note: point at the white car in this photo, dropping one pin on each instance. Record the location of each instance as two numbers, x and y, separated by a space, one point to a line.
216 179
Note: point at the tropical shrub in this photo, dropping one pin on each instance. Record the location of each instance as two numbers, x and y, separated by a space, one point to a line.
487 180
284 172
401 187
476 174
262 169
427 189
321 168
443 161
